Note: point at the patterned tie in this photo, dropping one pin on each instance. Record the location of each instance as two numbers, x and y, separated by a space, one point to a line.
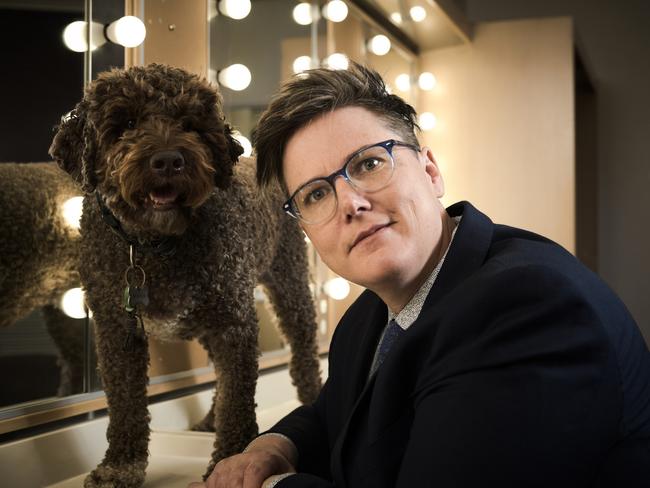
392 334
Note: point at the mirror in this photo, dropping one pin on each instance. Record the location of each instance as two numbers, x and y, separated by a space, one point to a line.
49 353
40 345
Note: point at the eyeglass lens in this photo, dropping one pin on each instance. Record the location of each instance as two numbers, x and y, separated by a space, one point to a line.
369 170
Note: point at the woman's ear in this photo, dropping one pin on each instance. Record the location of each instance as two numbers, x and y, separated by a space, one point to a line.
433 171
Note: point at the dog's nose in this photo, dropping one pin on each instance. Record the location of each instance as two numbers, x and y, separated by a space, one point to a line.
167 162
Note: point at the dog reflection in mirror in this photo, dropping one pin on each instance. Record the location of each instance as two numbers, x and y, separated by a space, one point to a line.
38 264
175 237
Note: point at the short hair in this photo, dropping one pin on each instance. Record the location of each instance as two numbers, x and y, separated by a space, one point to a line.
311 94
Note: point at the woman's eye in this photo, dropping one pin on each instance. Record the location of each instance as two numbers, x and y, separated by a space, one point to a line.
315 195
370 164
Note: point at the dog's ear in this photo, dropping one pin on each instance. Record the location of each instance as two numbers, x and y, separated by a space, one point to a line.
225 152
234 147
73 147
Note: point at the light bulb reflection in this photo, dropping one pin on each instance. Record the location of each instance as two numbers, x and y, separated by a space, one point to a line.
427 81
418 14
335 10
302 14
129 31
235 9
71 210
403 82
337 288
72 303
245 143
379 44
237 77
337 61
301 63
75 36
427 121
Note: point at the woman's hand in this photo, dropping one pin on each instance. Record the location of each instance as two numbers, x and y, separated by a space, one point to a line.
263 458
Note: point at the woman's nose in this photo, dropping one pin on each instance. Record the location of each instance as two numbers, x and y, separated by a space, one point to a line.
350 201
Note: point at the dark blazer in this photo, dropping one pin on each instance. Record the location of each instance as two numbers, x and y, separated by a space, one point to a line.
523 369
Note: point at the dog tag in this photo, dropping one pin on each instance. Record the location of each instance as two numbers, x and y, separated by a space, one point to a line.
135 296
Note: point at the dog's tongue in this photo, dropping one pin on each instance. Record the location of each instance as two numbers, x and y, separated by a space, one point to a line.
163 197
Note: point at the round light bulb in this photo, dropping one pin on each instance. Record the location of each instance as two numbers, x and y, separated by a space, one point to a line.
396 17
403 82
302 13
74 36
129 31
379 44
418 14
71 210
427 121
337 288
236 77
235 9
245 143
337 61
72 303
335 10
301 63
427 81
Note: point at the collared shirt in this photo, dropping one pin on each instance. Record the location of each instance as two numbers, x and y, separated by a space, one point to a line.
412 309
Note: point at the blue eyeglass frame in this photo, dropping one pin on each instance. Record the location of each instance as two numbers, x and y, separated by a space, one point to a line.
388 145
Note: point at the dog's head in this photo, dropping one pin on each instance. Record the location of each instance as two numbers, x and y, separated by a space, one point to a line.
152 141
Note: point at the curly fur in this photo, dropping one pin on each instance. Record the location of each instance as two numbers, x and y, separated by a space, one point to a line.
229 236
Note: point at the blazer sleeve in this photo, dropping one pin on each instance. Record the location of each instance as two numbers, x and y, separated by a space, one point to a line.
526 397
306 426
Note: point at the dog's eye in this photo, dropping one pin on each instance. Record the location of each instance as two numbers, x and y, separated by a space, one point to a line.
187 126
130 124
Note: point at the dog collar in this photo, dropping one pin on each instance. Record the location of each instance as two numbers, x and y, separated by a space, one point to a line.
165 246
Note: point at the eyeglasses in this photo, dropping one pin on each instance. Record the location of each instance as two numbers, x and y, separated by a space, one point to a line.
369 169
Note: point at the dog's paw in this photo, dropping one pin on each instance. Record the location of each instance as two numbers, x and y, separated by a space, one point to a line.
116 476
205 425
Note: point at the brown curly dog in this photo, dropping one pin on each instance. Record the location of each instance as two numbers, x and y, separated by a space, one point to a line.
175 236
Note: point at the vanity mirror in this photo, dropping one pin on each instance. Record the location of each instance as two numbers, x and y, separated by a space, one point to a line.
48 347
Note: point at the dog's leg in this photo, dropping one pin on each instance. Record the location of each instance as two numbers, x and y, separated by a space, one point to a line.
207 424
233 347
124 377
287 283
68 335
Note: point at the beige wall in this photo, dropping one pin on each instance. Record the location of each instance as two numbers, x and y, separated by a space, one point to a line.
505 133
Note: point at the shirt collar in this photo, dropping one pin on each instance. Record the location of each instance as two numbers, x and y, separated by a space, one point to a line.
412 309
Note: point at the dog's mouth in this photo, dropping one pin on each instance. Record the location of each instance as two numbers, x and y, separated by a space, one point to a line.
163 198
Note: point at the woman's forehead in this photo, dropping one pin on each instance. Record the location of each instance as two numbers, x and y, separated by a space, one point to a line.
324 144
